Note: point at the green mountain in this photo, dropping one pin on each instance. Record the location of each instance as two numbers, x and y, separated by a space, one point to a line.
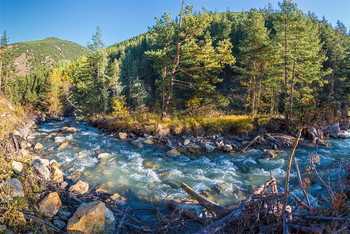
47 52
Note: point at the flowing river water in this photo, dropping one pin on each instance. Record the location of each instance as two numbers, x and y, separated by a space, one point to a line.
148 175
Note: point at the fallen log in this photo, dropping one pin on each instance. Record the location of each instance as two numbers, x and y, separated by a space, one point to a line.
250 143
218 210
221 223
303 229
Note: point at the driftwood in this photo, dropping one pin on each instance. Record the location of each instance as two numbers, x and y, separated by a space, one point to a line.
211 206
250 143
44 222
302 229
221 223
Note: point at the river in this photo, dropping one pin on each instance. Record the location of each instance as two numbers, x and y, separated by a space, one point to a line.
148 175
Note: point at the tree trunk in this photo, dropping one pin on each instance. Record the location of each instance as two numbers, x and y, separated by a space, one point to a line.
292 91
286 75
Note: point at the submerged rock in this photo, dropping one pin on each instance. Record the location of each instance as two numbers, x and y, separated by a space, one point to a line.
91 218
68 130
60 139
267 154
79 187
138 143
50 205
173 153
38 146
104 156
74 176
63 145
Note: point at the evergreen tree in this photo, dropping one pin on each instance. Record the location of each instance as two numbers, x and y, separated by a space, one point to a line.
195 61
97 43
253 58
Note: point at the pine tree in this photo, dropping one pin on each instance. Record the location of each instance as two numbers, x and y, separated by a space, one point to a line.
300 56
97 43
195 61
253 58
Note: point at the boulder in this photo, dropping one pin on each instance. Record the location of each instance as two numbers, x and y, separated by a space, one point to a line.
60 139
221 187
79 187
192 210
17 166
38 146
122 135
209 148
187 141
268 154
57 174
15 186
103 156
50 205
63 185
227 148
68 130
41 169
148 141
333 130
91 218
138 142
173 153
64 215
63 145
116 198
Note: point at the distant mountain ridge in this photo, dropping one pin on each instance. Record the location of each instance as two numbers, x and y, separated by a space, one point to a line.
46 52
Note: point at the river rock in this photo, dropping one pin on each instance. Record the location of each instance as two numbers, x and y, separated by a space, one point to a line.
221 187
103 156
227 148
138 142
15 186
74 176
17 166
267 154
91 218
68 130
148 141
209 148
50 205
187 141
118 199
60 139
57 174
41 169
193 148
333 130
63 185
173 153
38 146
64 215
122 135
63 145
60 224
70 137
79 187
192 210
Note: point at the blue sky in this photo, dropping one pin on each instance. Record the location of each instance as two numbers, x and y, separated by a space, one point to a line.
76 20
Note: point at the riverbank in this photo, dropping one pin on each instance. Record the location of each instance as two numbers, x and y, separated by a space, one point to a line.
226 133
206 212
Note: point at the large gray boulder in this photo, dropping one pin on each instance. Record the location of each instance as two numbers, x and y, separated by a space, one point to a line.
41 169
14 187
333 130
93 217
50 205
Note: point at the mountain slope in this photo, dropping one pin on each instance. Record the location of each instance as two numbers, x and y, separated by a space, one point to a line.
32 54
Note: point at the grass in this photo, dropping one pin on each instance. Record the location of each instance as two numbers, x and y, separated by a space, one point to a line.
11 117
150 123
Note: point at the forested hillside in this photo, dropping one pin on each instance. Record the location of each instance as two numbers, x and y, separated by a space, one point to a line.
262 62
47 52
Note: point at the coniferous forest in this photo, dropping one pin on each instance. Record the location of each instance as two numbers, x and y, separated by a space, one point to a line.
263 62
233 101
